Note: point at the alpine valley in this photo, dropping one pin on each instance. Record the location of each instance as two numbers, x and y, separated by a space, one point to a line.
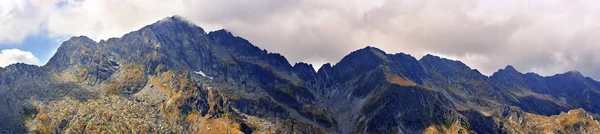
173 77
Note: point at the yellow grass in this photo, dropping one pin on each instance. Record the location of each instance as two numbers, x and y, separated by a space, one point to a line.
395 79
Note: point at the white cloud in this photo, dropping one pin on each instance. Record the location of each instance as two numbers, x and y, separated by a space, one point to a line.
18 19
546 36
11 56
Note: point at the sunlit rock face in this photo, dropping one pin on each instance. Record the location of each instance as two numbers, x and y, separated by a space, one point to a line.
173 77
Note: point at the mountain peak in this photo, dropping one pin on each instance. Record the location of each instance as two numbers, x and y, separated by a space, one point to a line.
174 18
570 74
305 70
510 68
80 39
437 59
373 49
359 56
325 66
76 42
574 73
368 51
221 33
430 57
174 23
303 64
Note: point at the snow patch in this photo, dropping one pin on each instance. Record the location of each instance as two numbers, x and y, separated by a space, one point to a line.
202 73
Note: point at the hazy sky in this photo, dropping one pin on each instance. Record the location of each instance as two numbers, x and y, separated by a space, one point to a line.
543 36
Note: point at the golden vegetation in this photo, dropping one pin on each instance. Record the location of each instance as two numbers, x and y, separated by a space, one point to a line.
132 72
84 50
192 117
574 121
112 88
169 81
108 114
174 97
455 128
81 72
219 126
154 81
395 79
114 114
129 76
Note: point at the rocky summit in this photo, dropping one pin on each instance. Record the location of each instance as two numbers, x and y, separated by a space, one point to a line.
174 77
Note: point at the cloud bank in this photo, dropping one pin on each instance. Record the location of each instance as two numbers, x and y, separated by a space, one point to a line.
11 56
543 36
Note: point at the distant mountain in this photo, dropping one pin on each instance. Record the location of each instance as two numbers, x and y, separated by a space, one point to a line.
173 77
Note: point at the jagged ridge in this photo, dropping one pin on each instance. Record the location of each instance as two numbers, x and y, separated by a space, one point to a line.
198 80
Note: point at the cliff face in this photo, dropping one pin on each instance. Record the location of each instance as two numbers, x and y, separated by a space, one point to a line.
173 77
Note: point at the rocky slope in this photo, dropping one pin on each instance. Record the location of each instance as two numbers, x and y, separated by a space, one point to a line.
173 77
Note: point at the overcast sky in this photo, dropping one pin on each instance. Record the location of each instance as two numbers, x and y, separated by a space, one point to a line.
542 36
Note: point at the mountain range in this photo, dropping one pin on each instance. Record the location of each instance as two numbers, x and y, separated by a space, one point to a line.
173 77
